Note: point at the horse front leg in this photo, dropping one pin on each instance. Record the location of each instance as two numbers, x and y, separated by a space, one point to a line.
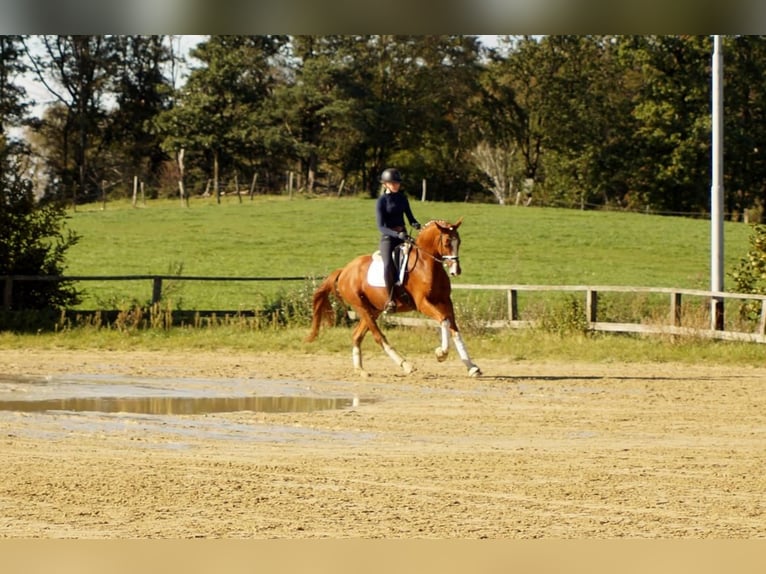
457 340
443 350
447 327
444 314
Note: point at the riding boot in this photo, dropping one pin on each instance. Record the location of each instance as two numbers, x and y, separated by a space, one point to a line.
403 295
390 306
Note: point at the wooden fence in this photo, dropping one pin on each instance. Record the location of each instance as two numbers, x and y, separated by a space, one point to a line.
672 325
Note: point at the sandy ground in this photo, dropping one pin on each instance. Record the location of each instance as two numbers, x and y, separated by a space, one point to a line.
529 450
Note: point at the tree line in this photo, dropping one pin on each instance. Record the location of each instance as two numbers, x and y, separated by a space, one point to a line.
621 122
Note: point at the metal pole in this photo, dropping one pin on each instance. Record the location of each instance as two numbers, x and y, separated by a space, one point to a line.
716 190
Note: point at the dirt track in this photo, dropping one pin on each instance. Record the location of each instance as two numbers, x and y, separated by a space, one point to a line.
529 450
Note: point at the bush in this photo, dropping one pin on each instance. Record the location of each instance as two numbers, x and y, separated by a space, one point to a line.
33 242
567 318
750 275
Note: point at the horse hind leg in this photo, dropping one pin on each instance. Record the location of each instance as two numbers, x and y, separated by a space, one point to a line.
403 363
368 323
356 350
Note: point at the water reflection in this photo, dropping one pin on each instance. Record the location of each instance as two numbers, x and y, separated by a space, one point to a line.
182 405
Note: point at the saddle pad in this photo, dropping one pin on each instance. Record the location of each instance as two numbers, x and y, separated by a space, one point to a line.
375 271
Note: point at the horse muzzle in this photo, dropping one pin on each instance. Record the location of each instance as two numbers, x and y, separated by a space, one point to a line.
453 264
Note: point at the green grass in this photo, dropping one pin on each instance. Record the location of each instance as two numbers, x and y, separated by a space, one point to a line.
308 237
516 345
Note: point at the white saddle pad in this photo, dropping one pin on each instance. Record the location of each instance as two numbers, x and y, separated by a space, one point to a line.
375 271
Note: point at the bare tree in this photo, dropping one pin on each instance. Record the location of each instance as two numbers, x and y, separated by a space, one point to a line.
76 71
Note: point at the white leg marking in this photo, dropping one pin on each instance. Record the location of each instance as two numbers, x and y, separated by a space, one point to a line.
397 358
443 350
473 370
356 353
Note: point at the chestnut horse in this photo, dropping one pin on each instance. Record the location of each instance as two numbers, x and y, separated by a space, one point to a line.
427 286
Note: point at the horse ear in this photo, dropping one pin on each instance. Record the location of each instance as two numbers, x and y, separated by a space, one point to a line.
458 222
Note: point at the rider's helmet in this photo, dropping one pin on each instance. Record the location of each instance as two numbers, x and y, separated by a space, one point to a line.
391 174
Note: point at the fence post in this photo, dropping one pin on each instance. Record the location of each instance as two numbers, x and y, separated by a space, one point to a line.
762 321
716 314
252 185
591 305
513 305
8 293
675 309
157 290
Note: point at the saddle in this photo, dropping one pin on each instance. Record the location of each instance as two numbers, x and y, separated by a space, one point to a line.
375 271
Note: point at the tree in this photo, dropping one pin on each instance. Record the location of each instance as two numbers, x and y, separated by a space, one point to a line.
141 92
12 95
745 126
410 100
32 238
312 115
511 142
445 126
33 241
76 70
581 116
218 112
672 111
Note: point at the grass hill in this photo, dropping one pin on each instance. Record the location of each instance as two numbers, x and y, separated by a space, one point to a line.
307 237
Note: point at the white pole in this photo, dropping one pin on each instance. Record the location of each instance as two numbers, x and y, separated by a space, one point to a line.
716 190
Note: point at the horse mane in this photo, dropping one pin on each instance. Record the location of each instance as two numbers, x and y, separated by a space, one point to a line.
442 223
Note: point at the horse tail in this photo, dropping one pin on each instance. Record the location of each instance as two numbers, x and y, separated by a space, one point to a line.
322 308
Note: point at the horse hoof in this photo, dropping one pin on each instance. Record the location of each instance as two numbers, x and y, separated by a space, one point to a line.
474 371
407 367
362 373
441 354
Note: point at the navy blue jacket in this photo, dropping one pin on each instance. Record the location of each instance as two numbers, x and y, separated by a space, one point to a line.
390 211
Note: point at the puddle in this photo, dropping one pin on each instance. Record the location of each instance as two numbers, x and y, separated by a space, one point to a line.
163 396
180 405
159 412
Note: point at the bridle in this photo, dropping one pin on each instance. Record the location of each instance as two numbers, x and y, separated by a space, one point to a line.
449 259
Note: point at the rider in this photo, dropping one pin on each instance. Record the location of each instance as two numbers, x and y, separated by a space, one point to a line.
391 207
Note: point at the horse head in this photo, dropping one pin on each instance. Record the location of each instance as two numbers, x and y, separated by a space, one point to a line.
442 241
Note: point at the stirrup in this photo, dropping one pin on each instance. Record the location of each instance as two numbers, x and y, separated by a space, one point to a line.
390 306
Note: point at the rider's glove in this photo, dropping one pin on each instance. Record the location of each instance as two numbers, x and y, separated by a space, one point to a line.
402 236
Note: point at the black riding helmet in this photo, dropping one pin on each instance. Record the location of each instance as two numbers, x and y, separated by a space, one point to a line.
391 174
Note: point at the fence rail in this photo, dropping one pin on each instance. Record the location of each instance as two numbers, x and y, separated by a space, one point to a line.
156 280
591 293
673 324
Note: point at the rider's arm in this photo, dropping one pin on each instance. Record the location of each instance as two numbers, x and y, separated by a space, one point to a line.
408 212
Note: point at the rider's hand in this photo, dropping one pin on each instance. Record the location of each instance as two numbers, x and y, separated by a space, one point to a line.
402 236
416 225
